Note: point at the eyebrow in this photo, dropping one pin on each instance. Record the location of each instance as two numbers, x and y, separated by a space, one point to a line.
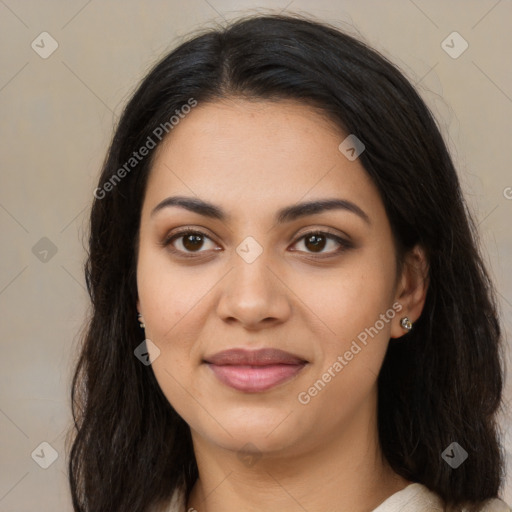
287 214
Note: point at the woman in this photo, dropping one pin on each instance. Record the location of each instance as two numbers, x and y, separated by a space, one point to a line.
290 311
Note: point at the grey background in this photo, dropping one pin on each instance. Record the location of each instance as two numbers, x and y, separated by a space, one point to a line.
57 117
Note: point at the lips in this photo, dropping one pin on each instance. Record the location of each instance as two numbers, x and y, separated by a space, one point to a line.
262 357
254 371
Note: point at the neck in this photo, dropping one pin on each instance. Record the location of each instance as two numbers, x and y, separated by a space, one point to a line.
343 472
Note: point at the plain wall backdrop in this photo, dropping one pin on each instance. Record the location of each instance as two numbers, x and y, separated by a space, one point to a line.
68 68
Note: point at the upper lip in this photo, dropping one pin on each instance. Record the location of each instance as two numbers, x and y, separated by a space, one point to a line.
261 357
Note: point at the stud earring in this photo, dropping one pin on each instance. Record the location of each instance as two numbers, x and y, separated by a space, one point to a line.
406 323
141 321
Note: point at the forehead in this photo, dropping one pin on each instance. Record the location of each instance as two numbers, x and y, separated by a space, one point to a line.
257 156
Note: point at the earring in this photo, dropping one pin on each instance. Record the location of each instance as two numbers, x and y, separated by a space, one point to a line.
406 323
141 321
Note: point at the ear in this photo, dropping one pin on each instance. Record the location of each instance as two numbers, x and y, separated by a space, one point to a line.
138 305
411 290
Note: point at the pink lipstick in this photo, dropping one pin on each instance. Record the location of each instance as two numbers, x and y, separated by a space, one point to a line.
254 371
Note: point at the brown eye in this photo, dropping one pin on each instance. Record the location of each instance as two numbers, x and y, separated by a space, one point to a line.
192 242
315 242
188 242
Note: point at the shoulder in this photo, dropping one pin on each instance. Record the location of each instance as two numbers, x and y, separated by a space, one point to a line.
496 505
418 498
414 498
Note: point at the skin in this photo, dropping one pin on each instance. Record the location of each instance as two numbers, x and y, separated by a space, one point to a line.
252 158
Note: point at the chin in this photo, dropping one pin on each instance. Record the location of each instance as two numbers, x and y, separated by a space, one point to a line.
265 430
255 442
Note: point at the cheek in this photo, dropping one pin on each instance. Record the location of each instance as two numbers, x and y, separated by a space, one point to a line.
165 303
356 306
349 363
168 295
352 299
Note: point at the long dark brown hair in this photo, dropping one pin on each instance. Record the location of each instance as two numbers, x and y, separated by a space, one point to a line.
441 384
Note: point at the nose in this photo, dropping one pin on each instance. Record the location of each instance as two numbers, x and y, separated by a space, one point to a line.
253 295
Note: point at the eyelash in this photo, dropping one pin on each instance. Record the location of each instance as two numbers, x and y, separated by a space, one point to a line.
344 244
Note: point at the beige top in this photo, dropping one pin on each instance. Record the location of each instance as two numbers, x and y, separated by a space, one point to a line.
413 498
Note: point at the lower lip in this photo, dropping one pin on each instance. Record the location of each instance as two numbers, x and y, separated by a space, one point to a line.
253 379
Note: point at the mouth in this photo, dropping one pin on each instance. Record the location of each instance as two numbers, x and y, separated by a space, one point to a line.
254 379
254 371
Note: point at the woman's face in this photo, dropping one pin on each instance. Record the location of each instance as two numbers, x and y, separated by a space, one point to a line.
251 280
